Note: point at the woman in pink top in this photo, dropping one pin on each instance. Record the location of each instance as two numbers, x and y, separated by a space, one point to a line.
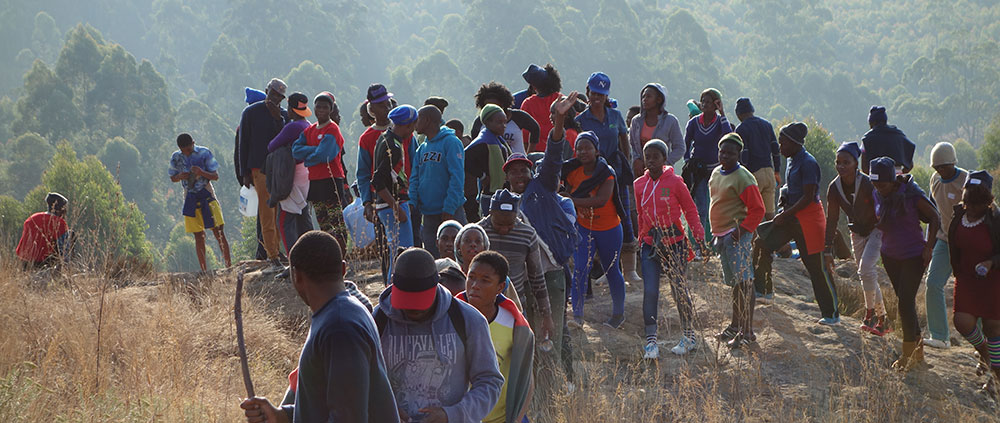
661 198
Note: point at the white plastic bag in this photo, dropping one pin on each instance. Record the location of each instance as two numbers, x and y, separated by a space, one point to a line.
248 201
361 230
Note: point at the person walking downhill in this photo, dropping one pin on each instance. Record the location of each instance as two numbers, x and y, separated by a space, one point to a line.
321 148
546 84
293 211
195 168
884 140
259 124
393 165
654 122
852 192
976 263
947 183
592 186
900 206
484 159
607 124
438 177
518 123
701 137
735 210
802 220
661 198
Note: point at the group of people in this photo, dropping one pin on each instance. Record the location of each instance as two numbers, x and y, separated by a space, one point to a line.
490 242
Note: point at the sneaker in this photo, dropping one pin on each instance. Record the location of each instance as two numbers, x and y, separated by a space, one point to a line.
615 322
880 328
934 343
764 299
829 321
727 334
275 262
284 274
869 322
651 351
575 323
740 341
685 345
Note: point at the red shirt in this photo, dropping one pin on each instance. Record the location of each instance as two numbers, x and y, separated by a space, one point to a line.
367 143
314 135
38 239
538 108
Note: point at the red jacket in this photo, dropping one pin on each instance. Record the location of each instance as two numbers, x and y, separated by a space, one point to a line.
39 237
660 203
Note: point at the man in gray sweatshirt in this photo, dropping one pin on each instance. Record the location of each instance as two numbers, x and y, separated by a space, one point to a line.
438 351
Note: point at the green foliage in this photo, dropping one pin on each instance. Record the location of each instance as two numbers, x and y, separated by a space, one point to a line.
29 155
922 176
108 226
245 247
989 153
12 216
966 155
309 79
46 107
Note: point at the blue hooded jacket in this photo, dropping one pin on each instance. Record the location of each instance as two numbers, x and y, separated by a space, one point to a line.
540 201
430 366
438 177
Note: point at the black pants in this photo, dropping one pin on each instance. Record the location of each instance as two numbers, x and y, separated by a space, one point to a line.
776 237
905 276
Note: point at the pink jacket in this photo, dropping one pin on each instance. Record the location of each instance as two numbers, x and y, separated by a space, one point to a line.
660 203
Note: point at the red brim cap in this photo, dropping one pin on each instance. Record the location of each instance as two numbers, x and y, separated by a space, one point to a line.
412 300
524 160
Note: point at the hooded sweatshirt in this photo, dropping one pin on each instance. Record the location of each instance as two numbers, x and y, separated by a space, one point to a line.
438 178
541 198
887 141
668 130
430 366
660 202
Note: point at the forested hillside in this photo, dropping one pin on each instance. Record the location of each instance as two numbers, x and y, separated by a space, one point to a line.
119 79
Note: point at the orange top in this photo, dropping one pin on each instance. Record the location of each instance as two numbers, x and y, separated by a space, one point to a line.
594 218
646 133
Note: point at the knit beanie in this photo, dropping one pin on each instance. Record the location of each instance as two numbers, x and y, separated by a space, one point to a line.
253 95
589 136
693 109
471 227
488 110
877 114
743 106
656 144
795 131
733 138
448 224
882 169
714 91
943 153
851 148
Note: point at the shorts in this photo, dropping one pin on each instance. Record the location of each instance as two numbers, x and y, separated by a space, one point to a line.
196 224
767 186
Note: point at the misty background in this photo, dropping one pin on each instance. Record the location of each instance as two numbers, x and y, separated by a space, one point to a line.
94 93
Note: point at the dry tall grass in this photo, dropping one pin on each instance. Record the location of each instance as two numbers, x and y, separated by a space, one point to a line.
168 353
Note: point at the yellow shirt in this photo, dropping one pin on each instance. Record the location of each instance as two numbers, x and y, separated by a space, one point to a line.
502 333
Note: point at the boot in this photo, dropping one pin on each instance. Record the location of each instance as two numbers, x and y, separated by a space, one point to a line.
913 355
628 263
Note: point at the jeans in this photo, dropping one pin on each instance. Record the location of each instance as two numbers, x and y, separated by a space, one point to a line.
701 201
823 288
428 231
674 265
905 276
396 235
737 272
866 254
608 245
627 232
937 277
292 226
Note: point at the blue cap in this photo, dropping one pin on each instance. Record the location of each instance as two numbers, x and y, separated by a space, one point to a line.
504 200
882 169
743 105
693 108
613 103
599 83
253 95
403 115
980 177
534 75
877 114
851 148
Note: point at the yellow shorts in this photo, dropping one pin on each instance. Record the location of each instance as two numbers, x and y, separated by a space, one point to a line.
197 224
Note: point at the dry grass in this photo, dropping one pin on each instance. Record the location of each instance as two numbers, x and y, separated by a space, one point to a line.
168 353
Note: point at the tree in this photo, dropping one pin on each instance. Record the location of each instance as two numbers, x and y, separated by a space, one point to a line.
966 155
989 153
110 229
12 216
46 40
46 107
309 79
225 72
80 58
29 154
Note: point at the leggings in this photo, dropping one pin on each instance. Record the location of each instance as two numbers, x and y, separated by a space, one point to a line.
905 276
672 265
822 283
607 245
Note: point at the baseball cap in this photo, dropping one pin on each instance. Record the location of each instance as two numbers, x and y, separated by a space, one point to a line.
299 103
599 83
277 86
378 93
517 157
414 280
504 200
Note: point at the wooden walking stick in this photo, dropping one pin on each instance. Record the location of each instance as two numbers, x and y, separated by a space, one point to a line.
238 311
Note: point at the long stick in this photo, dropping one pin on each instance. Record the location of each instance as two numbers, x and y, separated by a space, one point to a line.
238 310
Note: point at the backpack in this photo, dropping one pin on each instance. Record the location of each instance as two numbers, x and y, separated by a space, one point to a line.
454 314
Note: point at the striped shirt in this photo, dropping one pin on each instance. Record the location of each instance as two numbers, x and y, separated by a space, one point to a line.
521 247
